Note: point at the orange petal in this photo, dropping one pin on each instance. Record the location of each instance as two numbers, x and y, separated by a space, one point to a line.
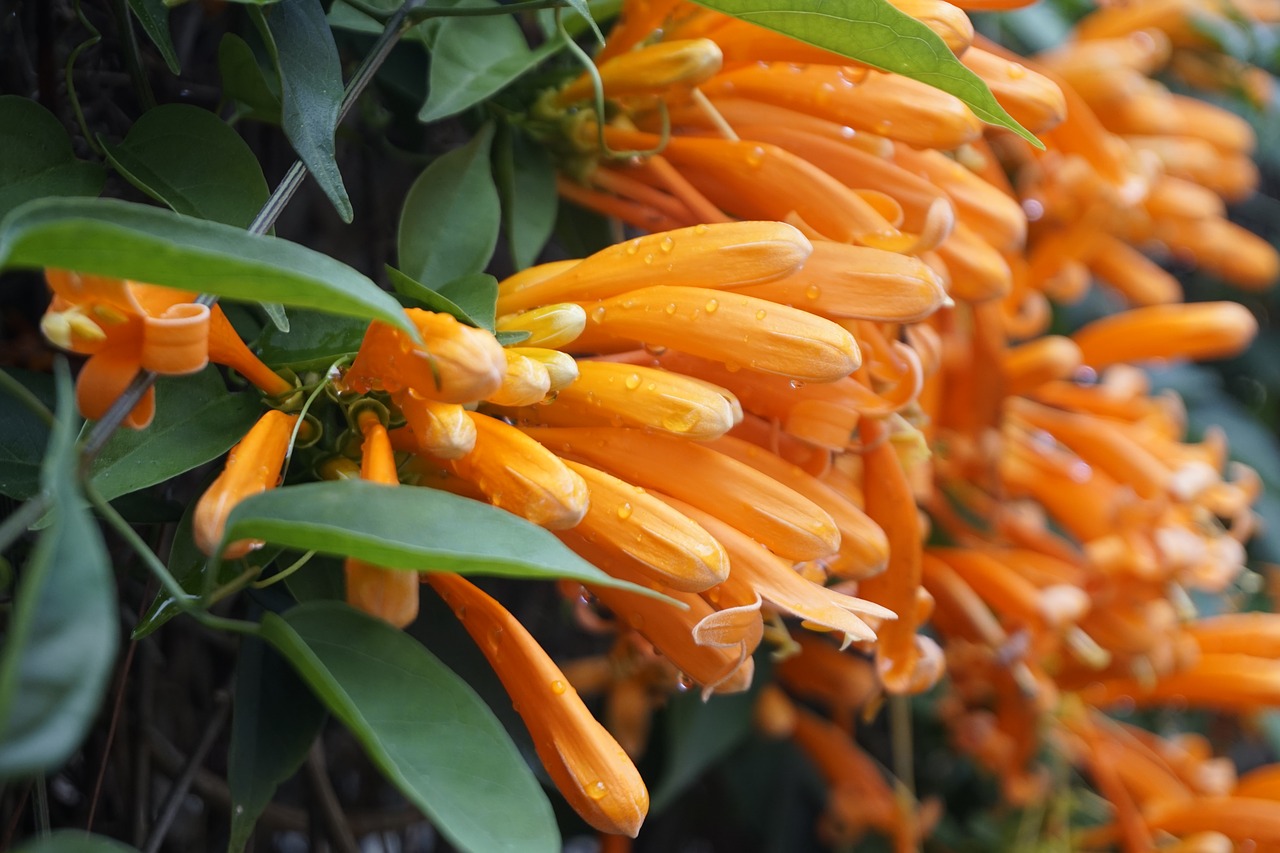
1204 330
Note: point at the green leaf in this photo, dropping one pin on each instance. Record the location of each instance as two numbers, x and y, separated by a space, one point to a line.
38 160
75 841
472 299
699 734
125 240
154 17
314 341
276 719
424 728
876 34
246 82
23 436
62 635
473 58
409 527
301 45
196 421
190 160
321 579
527 184
451 217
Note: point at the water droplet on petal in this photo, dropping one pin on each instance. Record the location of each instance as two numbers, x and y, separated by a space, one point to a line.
1016 71
701 229
668 243
648 259
558 687
796 383
712 305
597 314
633 247
670 308
812 291
755 156
624 511
761 314
597 790
632 382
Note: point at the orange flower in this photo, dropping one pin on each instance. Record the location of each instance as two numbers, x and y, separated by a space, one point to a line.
253 466
386 593
1199 331
588 767
650 70
124 327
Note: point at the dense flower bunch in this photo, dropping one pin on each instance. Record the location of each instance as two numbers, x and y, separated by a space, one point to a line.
821 385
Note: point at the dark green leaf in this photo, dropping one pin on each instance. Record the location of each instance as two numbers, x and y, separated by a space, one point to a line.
23 436
117 238
876 34
313 342
423 727
192 161
321 579
246 82
477 294
75 841
473 58
699 734
424 297
38 160
408 527
154 17
527 183
451 217
276 719
196 421
275 313
62 635
301 44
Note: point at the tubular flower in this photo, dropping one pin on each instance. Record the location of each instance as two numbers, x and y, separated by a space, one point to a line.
650 70
124 327
386 593
588 767
253 466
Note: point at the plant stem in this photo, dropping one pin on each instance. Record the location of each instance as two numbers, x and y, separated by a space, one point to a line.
22 518
194 763
132 58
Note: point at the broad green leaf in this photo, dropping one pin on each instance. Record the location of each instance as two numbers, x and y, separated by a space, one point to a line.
118 238
314 341
321 579
190 160
23 436
75 841
451 217
876 34
527 183
276 718
246 82
277 316
472 298
473 58
301 45
61 640
699 734
196 420
154 17
38 160
409 527
424 728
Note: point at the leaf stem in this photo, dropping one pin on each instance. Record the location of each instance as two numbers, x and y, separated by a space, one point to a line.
22 518
24 396
69 71
184 600
133 60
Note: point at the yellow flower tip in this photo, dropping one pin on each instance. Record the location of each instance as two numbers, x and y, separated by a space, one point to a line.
728 254
440 429
388 594
1204 330
519 475
673 550
551 326
731 328
526 382
618 394
71 330
562 368
650 70
454 364
253 466
590 769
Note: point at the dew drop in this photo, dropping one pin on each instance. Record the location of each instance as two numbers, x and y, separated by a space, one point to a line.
701 228
755 157
651 387
1016 71
655 349
711 306
495 639
823 96
633 247
632 382
761 314
597 790
812 291
648 259
557 687
597 314
668 243
670 308
847 132
625 510
796 384
883 126
683 683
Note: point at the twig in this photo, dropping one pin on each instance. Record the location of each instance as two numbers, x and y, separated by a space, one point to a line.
173 802
330 809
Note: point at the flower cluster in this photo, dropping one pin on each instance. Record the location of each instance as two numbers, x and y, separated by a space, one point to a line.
821 385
